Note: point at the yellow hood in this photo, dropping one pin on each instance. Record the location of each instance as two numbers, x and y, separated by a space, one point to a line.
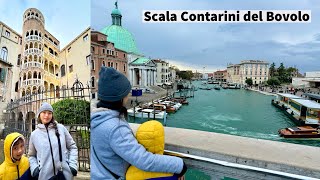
9 169
8 143
151 135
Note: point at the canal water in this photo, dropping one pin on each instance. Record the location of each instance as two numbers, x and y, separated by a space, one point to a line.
232 111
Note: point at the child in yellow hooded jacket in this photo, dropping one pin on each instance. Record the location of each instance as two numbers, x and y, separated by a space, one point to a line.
151 135
16 164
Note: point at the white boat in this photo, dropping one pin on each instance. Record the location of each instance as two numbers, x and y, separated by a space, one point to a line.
307 110
147 113
283 99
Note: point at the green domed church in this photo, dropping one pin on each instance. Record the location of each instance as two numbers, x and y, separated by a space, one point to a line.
142 70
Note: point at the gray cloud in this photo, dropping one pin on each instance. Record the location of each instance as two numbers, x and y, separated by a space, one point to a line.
218 44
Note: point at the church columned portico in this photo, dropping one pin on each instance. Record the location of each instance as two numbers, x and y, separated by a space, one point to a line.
142 73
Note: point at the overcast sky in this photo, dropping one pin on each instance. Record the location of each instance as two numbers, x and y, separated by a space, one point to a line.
63 19
214 45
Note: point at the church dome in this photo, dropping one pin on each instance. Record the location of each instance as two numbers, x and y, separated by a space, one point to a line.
121 38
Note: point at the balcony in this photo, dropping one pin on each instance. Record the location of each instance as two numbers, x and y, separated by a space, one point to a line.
52 44
34 17
33 51
49 77
31 65
33 38
49 55
32 82
226 156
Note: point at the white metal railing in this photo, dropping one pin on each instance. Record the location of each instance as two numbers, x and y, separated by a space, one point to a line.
33 51
33 37
237 166
31 64
32 82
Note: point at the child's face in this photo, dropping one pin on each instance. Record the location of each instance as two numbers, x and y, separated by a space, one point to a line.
18 149
45 117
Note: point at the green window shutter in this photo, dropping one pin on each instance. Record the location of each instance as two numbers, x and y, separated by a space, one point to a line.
3 74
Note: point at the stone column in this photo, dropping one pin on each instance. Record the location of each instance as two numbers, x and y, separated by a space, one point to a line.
140 77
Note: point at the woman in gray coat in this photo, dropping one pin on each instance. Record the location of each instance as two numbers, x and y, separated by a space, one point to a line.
44 147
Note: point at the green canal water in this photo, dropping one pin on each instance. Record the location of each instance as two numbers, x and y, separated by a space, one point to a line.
232 111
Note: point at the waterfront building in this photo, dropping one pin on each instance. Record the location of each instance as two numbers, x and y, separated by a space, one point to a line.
172 74
141 70
221 75
233 71
257 70
163 73
104 53
312 80
142 73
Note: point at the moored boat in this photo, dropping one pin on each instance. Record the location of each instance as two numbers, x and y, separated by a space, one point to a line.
300 132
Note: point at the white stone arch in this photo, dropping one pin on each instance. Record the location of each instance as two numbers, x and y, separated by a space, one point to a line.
29 76
35 75
51 67
23 92
52 89
30 58
35 58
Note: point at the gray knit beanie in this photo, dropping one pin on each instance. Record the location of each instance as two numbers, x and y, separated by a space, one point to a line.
112 85
44 107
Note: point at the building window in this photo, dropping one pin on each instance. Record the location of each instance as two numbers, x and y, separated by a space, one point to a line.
103 63
88 59
16 86
124 55
109 65
92 49
85 37
92 82
2 74
124 67
19 60
92 65
116 54
63 70
116 66
70 68
93 95
103 51
7 33
4 54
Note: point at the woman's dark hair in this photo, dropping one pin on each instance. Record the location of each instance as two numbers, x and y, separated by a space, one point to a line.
117 106
55 125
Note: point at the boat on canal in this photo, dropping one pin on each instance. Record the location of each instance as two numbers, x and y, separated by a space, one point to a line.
147 113
300 132
283 99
